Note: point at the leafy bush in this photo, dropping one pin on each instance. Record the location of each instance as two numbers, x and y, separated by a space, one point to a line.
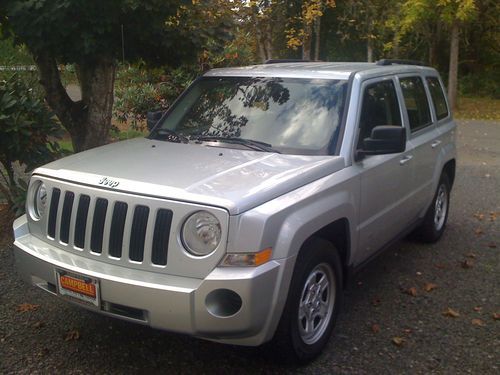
28 134
139 90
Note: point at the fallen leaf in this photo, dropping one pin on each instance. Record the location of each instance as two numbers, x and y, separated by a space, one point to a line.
24 307
419 273
428 287
496 316
467 264
398 341
493 216
441 266
375 328
487 175
376 301
411 291
38 325
479 216
72 335
478 322
478 309
449 312
407 331
492 245
478 231
471 255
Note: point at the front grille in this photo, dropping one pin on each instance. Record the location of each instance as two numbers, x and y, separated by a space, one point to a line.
110 228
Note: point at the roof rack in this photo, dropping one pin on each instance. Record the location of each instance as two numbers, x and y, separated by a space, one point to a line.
278 61
385 62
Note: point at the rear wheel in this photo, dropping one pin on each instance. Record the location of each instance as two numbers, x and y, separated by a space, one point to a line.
313 303
436 217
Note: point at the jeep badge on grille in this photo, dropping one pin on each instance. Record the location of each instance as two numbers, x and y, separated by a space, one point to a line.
107 182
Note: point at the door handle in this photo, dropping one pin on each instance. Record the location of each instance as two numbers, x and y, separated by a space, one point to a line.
405 159
435 144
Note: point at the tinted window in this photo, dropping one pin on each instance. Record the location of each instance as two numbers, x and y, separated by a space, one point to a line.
380 107
416 102
437 97
298 116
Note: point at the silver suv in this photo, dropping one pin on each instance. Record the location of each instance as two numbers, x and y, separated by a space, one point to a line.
242 215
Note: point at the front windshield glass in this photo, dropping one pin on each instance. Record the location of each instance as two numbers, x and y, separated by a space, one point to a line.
298 116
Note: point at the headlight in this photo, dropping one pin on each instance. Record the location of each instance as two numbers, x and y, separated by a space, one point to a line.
201 233
38 201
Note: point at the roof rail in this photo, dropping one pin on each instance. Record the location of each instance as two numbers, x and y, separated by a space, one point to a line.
384 62
278 61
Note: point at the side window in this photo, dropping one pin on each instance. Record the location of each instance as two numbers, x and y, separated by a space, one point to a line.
380 107
416 102
438 97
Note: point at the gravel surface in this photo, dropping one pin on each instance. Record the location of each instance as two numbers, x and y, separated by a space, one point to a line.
464 268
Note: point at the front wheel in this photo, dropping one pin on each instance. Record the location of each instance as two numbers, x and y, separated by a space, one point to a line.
313 303
436 217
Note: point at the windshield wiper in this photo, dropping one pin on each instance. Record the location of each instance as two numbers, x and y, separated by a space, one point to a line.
170 135
250 143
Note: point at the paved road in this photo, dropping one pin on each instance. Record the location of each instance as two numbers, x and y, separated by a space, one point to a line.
44 340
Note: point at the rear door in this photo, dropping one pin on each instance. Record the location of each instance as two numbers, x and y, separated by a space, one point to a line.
424 140
386 180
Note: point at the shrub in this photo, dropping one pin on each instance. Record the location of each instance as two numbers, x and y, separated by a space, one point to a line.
139 90
28 134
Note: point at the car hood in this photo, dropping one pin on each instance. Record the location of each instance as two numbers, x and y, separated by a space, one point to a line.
234 179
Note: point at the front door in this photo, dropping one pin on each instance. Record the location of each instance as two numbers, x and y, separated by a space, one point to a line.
385 179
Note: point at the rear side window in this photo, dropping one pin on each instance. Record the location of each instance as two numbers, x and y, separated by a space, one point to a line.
438 97
380 107
416 102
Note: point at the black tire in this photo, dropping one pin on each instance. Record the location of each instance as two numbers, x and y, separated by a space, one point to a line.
432 229
316 259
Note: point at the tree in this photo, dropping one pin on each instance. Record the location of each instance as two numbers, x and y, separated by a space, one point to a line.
308 25
419 16
89 34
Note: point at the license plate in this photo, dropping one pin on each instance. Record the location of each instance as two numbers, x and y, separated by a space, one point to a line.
79 287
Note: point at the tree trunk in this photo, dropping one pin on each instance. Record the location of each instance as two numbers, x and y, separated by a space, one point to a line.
369 50
269 42
89 120
453 70
306 43
317 38
97 82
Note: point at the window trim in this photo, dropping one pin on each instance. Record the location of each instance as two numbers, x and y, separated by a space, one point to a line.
362 87
403 104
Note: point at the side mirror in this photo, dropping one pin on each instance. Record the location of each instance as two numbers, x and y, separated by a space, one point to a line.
152 118
385 139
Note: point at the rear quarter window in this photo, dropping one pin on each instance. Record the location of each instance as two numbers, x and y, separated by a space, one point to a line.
438 97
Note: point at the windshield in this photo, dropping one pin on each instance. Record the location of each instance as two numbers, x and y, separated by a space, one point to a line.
297 116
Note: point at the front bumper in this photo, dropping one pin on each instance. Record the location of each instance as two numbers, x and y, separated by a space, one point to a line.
166 302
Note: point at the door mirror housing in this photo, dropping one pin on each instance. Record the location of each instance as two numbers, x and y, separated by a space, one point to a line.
385 139
152 118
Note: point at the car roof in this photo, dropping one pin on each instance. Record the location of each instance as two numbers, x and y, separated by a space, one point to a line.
331 70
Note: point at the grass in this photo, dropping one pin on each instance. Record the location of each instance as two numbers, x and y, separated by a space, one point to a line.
476 108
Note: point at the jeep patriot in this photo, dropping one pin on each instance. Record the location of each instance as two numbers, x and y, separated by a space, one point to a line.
240 218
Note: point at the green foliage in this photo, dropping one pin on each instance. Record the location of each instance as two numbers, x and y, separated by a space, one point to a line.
139 90
14 55
27 136
76 31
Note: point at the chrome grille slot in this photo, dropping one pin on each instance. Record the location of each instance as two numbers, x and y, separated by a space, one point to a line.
54 206
138 235
66 216
101 206
81 221
117 229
